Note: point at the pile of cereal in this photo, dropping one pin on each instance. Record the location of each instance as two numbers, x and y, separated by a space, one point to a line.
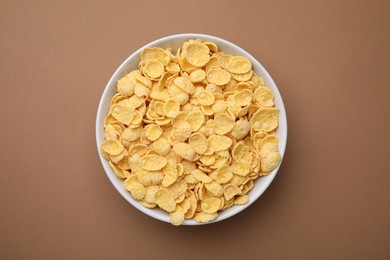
190 132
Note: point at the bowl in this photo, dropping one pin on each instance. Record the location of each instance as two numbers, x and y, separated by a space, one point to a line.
174 42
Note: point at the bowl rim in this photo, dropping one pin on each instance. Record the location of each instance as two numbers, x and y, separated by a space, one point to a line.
282 118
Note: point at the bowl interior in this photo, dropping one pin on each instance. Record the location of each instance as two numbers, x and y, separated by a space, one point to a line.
174 42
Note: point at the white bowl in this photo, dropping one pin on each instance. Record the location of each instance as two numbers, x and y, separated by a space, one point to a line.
174 42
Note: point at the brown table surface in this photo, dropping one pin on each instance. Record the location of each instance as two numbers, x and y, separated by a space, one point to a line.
331 197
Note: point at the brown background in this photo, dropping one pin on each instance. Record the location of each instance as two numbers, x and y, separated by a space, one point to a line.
331 197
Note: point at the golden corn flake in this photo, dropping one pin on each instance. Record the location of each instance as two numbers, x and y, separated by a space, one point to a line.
186 107
214 188
170 175
118 172
117 158
185 85
207 160
193 204
219 142
243 111
197 76
180 118
158 90
182 132
199 142
265 119
203 217
178 188
230 191
137 190
195 119
264 96
243 97
212 46
243 77
238 65
150 194
182 98
238 180
269 156
218 76
207 110
216 90
206 98
153 69
244 85
137 119
239 151
109 120
211 64
186 66
241 200
184 150
223 174
153 132
189 179
259 136
134 102
148 205
180 169
112 147
267 139
173 67
211 205
110 133
138 148
201 176
163 121
156 177
125 86
161 146
123 114
179 200
177 217
197 54
141 90
158 107
223 60
223 123
219 106
144 81
144 177
124 164
165 200
240 168
155 53
190 132
188 167
171 108
185 204
153 162
130 180
241 129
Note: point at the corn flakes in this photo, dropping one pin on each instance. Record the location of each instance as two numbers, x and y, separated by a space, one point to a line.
189 133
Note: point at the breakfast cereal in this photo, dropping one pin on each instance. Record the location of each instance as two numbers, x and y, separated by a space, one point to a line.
190 132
